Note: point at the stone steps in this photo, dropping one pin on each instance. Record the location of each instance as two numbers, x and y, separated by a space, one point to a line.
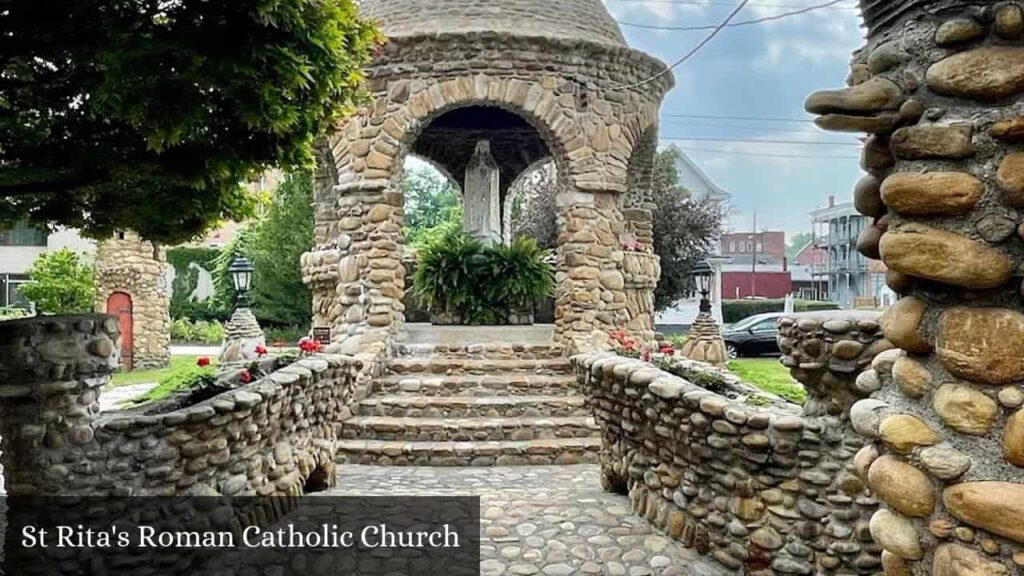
506 453
467 429
500 351
507 384
463 365
472 406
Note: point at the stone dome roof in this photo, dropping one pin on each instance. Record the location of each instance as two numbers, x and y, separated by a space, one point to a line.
560 19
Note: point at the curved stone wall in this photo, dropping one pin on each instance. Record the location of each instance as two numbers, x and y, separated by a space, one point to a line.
938 87
271 437
762 489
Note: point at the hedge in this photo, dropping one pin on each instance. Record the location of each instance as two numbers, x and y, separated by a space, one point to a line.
736 310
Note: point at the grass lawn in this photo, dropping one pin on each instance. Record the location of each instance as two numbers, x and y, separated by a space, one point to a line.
154 376
770 376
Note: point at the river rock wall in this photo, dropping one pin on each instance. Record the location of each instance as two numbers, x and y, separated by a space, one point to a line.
938 89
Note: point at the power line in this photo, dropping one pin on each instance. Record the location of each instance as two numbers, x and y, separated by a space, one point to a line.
767 155
803 10
752 141
696 48
738 127
740 118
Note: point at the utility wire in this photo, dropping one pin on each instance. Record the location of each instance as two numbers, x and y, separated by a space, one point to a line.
739 127
766 155
689 54
804 10
752 141
741 118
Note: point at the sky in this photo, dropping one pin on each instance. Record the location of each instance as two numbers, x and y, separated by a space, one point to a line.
764 71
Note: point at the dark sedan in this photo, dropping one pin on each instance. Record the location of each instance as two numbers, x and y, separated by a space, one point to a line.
753 336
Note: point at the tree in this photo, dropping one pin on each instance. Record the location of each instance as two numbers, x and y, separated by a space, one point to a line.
120 114
796 243
432 205
278 241
685 229
60 282
534 213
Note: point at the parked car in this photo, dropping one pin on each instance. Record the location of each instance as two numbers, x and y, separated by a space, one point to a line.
753 336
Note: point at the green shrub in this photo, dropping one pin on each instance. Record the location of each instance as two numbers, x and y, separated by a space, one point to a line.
481 285
60 282
199 332
736 310
185 378
290 335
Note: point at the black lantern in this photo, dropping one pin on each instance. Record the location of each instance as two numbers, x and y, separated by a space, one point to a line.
702 274
241 276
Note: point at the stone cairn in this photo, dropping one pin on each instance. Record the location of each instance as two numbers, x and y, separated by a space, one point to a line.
242 336
139 269
938 90
761 488
704 343
562 70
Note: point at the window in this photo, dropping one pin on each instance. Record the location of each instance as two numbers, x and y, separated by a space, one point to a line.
23 235
766 326
9 295
750 246
732 246
759 247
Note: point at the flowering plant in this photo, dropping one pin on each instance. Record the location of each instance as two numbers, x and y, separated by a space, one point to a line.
202 362
623 344
245 376
308 346
633 245
261 350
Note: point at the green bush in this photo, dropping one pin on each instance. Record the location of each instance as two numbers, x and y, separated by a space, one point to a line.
198 332
736 310
481 285
290 335
60 282
185 378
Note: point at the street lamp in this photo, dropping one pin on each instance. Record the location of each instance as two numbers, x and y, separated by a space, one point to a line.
241 276
702 274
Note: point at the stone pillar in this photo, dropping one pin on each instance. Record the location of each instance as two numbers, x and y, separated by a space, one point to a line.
938 87
51 370
704 342
130 265
590 298
641 271
481 198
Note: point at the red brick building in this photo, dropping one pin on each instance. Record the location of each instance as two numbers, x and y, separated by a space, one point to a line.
742 247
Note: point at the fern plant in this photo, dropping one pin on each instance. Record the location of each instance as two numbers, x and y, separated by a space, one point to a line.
444 279
518 275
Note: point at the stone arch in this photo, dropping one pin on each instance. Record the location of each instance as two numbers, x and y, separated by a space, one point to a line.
441 169
510 197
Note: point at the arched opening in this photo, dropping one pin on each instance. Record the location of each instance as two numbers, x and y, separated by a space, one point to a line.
120 304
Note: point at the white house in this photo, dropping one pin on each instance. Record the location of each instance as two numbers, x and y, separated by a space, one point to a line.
20 244
692 178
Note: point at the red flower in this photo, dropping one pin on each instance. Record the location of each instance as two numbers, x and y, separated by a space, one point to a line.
203 362
309 346
647 356
261 350
245 377
667 350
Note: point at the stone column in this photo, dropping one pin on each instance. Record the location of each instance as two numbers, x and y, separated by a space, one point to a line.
938 87
242 336
481 199
51 371
590 298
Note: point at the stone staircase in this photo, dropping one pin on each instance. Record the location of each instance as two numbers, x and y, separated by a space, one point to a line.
499 404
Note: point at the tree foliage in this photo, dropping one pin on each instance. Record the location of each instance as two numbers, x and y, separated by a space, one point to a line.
432 206
685 229
60 282
278 241
796 243
534 213
120 114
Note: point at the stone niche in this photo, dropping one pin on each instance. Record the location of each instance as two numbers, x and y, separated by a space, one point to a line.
938 88
761 487
131 283
537 80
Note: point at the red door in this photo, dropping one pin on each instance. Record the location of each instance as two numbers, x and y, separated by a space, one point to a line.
120 304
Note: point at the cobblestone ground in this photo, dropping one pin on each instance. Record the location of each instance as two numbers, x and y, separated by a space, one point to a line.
549 520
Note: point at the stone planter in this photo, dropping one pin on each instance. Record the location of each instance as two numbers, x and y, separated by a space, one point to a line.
445 319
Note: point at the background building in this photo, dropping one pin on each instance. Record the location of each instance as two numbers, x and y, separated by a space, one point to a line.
20 245
854 281
766 248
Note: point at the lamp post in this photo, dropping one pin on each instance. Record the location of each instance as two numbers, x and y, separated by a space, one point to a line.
704 343
243 337
241 270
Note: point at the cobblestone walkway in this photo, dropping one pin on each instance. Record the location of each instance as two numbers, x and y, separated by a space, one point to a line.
550 520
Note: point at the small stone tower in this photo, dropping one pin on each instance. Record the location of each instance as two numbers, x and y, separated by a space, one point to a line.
131 283
537 80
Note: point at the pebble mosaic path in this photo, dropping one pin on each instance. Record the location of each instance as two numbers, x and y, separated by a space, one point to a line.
543 520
